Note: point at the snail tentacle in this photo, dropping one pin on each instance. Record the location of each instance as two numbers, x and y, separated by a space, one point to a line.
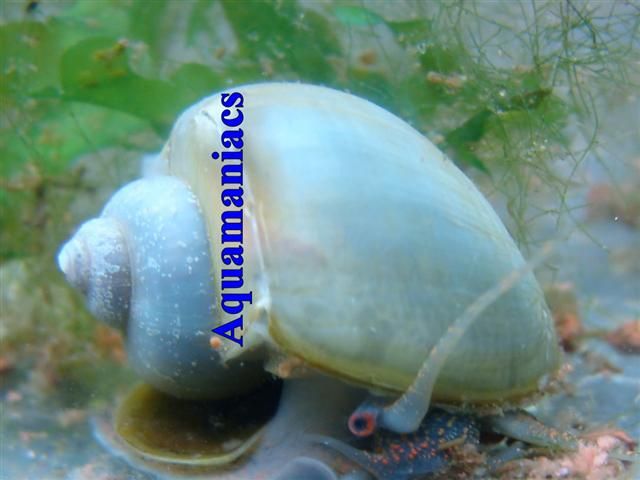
406 413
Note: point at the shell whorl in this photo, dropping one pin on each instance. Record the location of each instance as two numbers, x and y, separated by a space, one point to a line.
145 267
96 262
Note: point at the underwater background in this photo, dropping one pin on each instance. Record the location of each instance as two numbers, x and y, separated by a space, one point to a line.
537 101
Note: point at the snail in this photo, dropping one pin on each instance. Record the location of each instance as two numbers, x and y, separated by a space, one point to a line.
362 245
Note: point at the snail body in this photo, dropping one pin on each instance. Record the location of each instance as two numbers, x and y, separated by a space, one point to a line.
362 243
276 452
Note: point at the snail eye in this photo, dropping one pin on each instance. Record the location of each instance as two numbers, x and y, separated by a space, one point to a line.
362 423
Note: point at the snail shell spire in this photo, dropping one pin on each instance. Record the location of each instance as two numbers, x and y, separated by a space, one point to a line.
145 267
96 262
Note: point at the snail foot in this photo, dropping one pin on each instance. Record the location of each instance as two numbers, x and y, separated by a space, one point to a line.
532 438
307 468
523 426
441 438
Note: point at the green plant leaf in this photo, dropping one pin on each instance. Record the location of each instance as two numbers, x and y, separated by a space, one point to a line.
96 71
198 21
30 53
148 19
297 50
470 131
193 81
357 16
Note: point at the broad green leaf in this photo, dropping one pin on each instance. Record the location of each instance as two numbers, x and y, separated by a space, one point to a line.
151 24
64 132
193 81
283 39
96 71
198 21
30 53
357 16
